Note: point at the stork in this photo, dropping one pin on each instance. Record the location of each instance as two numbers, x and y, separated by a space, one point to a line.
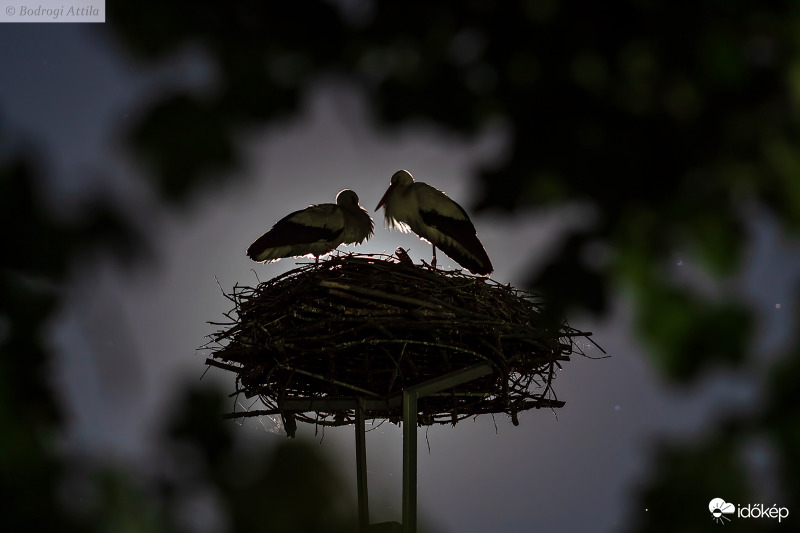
314 231
428 212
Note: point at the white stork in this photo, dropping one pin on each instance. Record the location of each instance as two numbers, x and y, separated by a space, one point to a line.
315 230
428 212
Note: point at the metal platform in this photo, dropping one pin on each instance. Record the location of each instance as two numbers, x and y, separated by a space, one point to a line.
408 399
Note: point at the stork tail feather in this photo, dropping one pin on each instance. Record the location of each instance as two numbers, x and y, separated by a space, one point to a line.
476 261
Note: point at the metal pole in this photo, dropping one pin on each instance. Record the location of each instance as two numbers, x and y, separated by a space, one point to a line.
409 461
361 470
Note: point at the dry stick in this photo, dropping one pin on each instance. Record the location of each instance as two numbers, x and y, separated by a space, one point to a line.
232 323
292 346
433 344
224 366
246 414
223 290
328 380
379 294
549 381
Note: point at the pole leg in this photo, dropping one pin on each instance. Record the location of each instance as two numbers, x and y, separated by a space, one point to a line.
361 470
409 462
433 261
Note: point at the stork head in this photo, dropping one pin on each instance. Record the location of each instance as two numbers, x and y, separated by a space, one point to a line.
347 198
401 178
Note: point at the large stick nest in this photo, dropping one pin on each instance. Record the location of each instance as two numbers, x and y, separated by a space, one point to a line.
368 326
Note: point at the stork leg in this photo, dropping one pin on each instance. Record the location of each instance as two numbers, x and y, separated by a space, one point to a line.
316 262
433 261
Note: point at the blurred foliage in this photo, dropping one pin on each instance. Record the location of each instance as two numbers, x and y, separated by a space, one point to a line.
290 490
781 420
669 118
688 476
680 501
34 269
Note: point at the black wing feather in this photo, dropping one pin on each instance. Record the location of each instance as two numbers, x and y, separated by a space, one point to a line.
463 232
286 232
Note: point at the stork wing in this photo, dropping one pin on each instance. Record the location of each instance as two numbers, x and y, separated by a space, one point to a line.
431 199
439 211
461 242
316 223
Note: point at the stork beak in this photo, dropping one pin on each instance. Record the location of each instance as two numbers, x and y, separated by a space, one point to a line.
385 196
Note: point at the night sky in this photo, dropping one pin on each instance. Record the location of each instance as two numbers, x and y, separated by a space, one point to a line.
126 336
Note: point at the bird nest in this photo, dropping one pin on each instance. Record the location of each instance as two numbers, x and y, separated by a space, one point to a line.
361 327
